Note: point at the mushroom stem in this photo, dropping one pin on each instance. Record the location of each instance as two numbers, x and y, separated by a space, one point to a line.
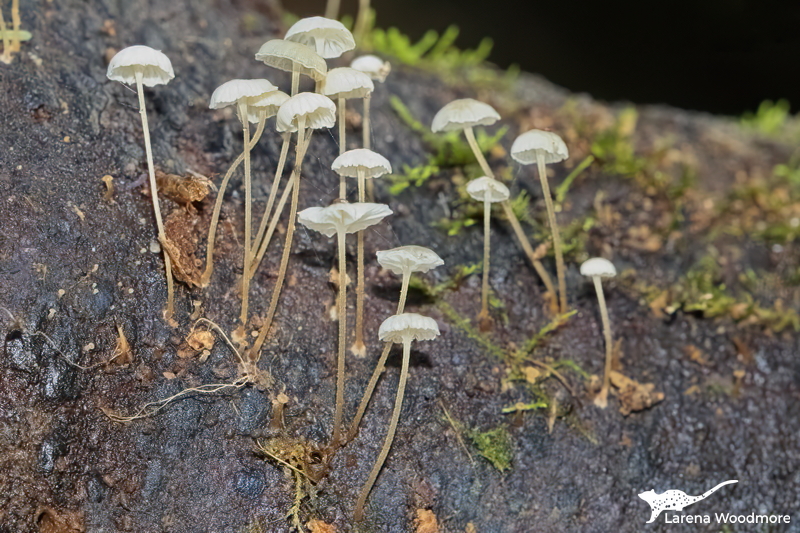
212 231
470 135
527 248
359 348
551 215
273 193
387 444
332 9
601 400
380 367
15 23
295 82
342 147
262 250
294 183
342 317
362 20
487 214
162 236
248 214
366 140
6 56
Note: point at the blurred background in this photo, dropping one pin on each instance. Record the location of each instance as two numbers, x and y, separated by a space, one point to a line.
720 56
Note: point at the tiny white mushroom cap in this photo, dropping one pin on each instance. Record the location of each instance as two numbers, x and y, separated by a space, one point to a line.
348 218
409 258
233 91
597 266
408 327
269 104
481 187
373 66
319 112
328 37
530 144
346 82
155 66
291 56
371 163
464 113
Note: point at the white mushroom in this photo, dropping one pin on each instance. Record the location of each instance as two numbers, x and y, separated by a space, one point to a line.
328 37
340 84
240 93
465 114
145 66
362 164
301 113
487 190
293 57
400 329
402 261
340 219
544 147
598 268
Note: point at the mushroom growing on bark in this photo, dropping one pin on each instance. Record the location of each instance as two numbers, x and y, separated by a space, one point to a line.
328 37
402 261
340 219
487 190
145 66
598 268
361 164
542 148
302 113
241 93
401 329
293 57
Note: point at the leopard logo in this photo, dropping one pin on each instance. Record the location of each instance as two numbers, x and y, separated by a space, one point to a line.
675 500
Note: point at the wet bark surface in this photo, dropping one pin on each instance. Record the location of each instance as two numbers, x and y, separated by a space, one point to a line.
76 268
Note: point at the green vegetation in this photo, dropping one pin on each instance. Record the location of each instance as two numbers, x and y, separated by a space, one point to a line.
495 445
561 190
770 117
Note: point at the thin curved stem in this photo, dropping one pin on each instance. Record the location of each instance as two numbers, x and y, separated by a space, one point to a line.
470 135
387 444
527 248
248 214
359 348
340 360
332 9
302 145
601 400
262 250
379 368
551 215
362 19
6 55
212 231
342 146
162 236
487 215
367 141
295 82
273 193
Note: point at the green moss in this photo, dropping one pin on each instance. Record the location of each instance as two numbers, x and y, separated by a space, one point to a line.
529 345
769 119
411 176
495 445
466 326
561 190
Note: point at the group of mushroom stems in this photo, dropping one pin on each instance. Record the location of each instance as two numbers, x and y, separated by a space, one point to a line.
303 51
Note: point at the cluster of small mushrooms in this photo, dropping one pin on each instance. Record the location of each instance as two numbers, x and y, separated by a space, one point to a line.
306 46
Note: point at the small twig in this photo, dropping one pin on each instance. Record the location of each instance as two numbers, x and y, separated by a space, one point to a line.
458 432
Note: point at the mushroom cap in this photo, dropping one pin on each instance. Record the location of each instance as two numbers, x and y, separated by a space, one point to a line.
528 146
597 266
291 56
233 91
409 258
464 113
408 327
328 37
480 188
348 218
373 164
373 66
346 82
319 112
155 66
269 104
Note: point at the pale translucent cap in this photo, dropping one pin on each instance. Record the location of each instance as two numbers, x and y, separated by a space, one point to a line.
348 218
597 266
371 163
528 146
346 82
409 259
408 327
327 36
269 104
155 66
480 188
319 112
373 66
291 56
234 91
464 113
